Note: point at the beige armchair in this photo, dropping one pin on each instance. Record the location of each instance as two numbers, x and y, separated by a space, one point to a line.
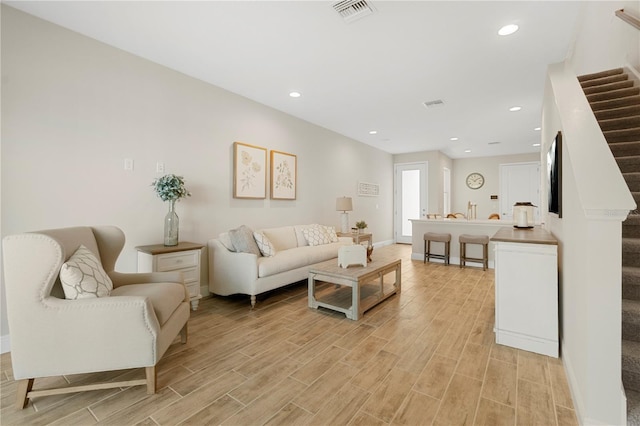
52 336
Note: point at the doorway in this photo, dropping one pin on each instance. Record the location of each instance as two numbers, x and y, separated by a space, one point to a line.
410 201
519 182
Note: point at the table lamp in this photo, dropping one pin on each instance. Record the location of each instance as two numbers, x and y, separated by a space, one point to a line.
344 205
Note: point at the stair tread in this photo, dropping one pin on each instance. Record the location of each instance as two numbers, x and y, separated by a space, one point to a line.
631 242
604 80
631 270
606 87
596 75
631 348
617 112
614 94
615 103
633 407
629 120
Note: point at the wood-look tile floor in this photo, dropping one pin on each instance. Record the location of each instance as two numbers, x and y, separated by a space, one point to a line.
425 356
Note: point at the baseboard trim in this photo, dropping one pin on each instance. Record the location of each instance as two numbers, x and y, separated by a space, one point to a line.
5 344
383 243
577 398
527 343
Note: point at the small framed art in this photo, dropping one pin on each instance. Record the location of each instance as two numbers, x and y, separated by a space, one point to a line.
284 175
249 171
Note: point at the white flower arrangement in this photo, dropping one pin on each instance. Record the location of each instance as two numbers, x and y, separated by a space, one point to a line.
170 188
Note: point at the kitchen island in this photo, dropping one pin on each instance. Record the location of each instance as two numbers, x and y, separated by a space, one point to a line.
455 227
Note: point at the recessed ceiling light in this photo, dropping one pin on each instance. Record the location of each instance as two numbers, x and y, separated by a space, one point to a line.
467 150
515 108
373 132
294 94
536 144
453 139
508 29
537 128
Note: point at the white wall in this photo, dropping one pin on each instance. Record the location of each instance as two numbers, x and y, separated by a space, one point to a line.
435 179
73 109
604 40
594 204
489 167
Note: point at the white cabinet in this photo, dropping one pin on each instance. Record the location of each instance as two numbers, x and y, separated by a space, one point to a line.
526 305
185 258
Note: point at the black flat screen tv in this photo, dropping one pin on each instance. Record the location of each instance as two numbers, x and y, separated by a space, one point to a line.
554 175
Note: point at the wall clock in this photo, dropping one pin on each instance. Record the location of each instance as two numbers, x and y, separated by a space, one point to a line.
475 180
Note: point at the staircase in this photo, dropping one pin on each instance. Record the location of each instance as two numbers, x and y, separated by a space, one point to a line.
615 101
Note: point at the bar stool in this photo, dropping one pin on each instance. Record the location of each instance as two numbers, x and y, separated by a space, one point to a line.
474 239
437 238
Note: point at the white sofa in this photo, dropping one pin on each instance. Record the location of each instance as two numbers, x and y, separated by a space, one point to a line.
247 273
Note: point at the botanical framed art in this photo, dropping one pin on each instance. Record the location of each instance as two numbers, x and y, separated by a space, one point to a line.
284 175
249 171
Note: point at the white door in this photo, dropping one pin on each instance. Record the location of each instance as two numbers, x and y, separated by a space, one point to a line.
410 199
446 202
519 182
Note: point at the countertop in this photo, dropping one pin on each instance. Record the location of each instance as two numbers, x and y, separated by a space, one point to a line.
534 235
463 222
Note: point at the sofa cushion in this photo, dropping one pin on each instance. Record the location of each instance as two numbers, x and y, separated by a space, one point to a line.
266 247
165 297
83 277
282 238
288 260
302 241
243 241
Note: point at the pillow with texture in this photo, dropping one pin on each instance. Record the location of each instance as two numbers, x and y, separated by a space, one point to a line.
331 232
243 241
316 235
83 277
225 239
266 247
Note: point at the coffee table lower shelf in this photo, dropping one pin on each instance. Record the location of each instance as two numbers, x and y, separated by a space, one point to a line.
356 289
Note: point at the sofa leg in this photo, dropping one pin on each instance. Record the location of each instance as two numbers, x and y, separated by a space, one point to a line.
24 387
151 379
253 301
184 333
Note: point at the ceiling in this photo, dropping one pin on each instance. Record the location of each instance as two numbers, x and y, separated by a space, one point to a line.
374 73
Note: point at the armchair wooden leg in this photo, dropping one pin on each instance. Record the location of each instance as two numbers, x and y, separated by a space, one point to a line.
151 379
24 387
184 334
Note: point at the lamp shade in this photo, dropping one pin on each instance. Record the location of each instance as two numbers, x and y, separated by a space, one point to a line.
344 204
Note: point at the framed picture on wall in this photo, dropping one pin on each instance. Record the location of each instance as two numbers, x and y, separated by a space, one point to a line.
249 171
284 175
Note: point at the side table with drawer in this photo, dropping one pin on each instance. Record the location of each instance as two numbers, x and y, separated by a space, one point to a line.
358 237
185 258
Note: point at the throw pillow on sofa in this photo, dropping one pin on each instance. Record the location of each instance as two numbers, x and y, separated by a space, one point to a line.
83 277
266 247
243 241
316 235
331 232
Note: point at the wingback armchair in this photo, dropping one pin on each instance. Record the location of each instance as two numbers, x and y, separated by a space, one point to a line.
132 327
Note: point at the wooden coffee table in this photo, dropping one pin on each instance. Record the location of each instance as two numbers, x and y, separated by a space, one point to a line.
357 288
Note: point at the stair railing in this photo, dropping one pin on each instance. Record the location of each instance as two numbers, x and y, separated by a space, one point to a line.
628 18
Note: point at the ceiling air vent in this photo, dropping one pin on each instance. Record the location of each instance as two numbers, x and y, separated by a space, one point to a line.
351 10
434 104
